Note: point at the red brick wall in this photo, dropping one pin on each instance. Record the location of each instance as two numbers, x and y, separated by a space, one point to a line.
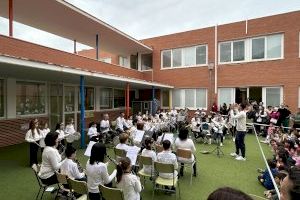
12 131
19 48
285 72
91 53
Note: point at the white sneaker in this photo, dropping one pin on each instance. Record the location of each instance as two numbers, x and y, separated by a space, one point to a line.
241 158
221 144
233 139
233 154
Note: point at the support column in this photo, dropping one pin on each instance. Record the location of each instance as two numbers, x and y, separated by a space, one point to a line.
127 100
10 17
82 112
75 50
153 97
97 47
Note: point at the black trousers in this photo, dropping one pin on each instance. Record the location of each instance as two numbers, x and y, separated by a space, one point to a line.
33 151
240 142
51 180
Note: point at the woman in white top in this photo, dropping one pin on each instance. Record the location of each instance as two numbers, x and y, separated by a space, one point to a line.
60 129
96 171
130 184
71 132
44 131
33 136
51 160
148 152
183 142
92 133
70 167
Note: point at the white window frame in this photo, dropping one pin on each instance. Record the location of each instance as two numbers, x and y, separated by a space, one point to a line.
182 57
182 99
248 49
232 95
112 91
46 99
264 94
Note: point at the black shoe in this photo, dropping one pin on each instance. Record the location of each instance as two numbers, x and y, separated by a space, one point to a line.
181 171
194 175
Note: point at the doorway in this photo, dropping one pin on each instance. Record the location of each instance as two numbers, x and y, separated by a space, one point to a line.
255 94
240 95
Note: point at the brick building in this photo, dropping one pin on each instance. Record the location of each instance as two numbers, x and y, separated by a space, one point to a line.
256 59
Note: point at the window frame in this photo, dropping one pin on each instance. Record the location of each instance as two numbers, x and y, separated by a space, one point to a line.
182 98
4 98
182 57
46 99
89 86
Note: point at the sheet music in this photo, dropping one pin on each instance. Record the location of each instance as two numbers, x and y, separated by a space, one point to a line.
139 136
89 148
132 153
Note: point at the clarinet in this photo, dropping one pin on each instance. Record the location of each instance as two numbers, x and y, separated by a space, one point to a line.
80 169
112 160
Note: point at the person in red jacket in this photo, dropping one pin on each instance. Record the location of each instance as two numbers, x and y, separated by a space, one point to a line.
214 107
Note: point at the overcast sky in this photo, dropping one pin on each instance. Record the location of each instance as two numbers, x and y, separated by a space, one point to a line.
148 18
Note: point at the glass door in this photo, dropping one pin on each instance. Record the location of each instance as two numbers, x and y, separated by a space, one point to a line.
56 105
70 104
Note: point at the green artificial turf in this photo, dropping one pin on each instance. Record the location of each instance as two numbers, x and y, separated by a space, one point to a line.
17 180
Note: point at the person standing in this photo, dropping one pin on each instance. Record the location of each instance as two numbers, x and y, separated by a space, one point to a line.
33 136
241 128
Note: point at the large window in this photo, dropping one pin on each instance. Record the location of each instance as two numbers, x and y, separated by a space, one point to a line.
191 98
251 49
1 98
185 57
123 61
272 96
226 95
69 99
89 96
146 61
106 98
119 98
134 62
30 98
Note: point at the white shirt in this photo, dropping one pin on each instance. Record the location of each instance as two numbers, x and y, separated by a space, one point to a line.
231 120
51 162
92 132
131 186
70 131
122 146
61 134
241 121
104 126
43 132
196 121
70 168
187 144
120 123
97 174
169 158
32 137
149 153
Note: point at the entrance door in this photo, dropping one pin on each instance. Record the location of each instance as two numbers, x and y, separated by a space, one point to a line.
240 95
70 102
56 105
255 94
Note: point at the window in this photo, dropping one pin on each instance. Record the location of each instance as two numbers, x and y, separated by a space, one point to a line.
146 61
106 98
192 98
69 99
185 57
134 62
89 96
274 44
123 61
106 60
251 49
1 98
226 95
177 57
238 51
225 52
189 56
166 58
201 55
165 98
30 98
258 48
119 98
273 96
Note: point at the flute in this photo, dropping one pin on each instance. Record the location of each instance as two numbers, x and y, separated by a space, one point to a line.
112 160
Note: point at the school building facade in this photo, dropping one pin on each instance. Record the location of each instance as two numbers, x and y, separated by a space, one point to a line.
256 59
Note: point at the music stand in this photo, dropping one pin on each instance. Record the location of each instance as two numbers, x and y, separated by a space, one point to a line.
218 150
